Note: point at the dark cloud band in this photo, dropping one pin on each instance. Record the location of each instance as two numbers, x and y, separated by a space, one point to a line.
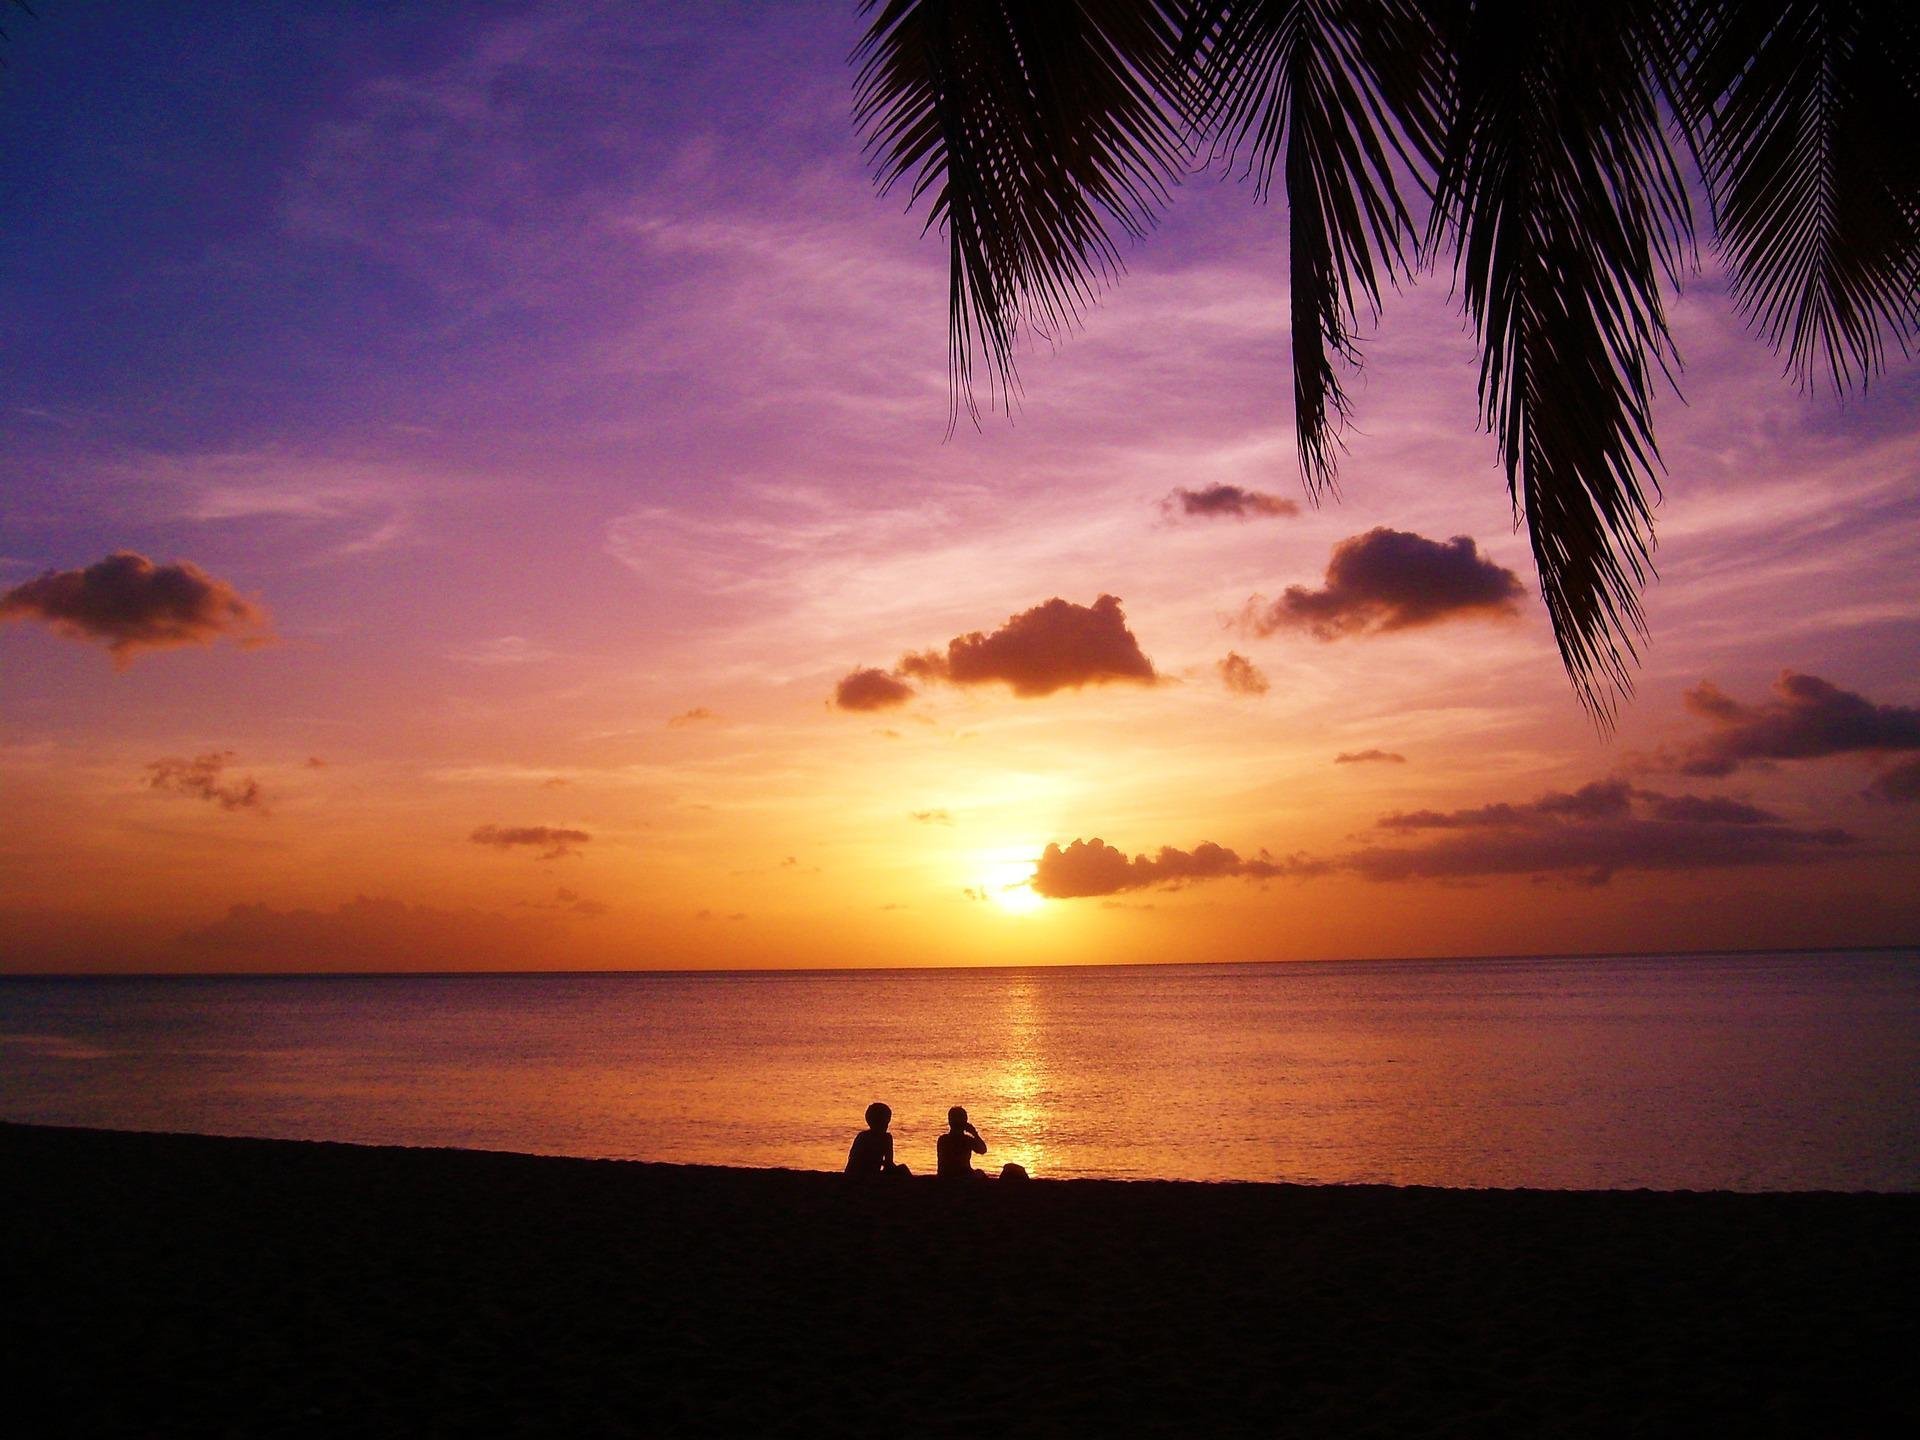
1806 719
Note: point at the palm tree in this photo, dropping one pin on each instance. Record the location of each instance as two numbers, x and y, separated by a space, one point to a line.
1548 146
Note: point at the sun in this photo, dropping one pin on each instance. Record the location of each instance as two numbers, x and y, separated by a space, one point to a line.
1008 884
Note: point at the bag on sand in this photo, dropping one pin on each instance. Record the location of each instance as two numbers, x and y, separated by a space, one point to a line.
1011 1171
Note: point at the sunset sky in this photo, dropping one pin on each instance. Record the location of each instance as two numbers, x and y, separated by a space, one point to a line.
535 433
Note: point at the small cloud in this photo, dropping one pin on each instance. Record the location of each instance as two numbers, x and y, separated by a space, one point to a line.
1226 502
203 778
699 715
714 915
975 892
1807 718
931 817
1898 786
1369 757
1242 676
579 904
553 843
871 689
314 762
1388 580
555 782
1054 646
129 604
569 901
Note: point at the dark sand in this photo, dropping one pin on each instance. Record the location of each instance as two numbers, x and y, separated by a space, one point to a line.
183 1284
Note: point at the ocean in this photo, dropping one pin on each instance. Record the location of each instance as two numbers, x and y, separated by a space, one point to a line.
1741 1072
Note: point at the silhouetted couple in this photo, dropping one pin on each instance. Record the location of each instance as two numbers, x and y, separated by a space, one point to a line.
872 1154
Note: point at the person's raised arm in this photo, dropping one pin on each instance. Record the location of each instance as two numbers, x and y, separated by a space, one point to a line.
973 1139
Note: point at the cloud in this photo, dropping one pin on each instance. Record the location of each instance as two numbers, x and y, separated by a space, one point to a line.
1241 675
1594 832
1589 834
1594 851
570 902
1808 718
699 715
1597 800
1228 501
1707 810
314 762
1093 867
1389 580
1898 786
1368 757
1056 645
129 604
551 841
371 934
203 778
931 817
871 689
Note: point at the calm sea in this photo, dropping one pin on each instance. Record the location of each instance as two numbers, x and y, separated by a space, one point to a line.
1742 1072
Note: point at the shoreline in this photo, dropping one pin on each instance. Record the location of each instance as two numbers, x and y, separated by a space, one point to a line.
722 1172
193 1283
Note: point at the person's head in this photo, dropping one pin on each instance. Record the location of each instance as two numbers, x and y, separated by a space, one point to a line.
957 1118
878 1115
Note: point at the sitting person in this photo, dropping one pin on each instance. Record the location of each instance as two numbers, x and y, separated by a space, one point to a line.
955 1149
871 1156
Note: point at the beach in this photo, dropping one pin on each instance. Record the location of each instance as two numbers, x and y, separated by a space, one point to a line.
176 1284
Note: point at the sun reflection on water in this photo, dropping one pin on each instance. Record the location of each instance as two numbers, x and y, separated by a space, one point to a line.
1021 1079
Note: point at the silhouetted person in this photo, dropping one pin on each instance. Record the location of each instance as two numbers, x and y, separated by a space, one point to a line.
955 1149
871 1156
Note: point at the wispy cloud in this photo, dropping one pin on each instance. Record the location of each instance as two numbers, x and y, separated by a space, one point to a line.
1223 501
553 842
205 778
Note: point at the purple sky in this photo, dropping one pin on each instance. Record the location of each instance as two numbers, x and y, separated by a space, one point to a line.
547 375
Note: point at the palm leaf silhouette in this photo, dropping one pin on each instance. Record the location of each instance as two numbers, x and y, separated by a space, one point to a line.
1542 138
1037 130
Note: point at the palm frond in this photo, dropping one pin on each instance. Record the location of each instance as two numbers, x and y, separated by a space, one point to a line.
1038 130
1809 113
1566 207
1339 95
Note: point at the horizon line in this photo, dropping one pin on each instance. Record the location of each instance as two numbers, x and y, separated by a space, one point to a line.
938 969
